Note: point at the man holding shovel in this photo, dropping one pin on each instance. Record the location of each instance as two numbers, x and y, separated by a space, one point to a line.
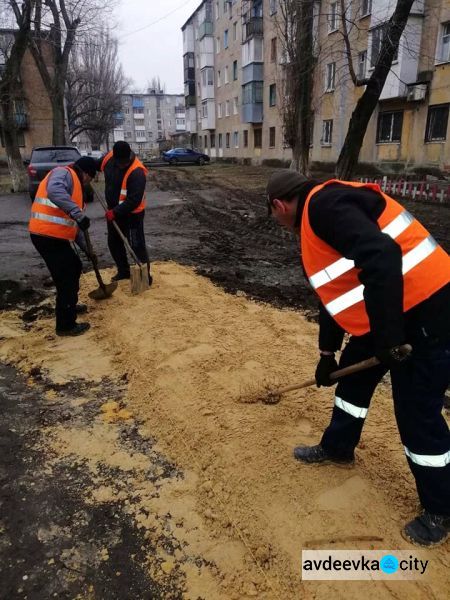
384 280
57 219
125 180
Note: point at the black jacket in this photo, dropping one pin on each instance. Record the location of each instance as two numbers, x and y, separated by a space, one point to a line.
346 218
113 184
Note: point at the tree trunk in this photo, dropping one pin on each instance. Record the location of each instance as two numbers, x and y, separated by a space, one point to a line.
19 181
59 123
349 155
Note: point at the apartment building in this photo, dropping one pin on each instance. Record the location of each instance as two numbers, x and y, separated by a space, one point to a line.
33 111
148 120
234 71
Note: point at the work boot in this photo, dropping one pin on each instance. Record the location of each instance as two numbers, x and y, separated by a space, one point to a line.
120 276
316 455
81 309
77 329
427 530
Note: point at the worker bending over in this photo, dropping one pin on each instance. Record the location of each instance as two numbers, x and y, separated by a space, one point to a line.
382 278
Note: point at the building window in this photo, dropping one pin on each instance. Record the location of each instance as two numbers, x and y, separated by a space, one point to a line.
204 110
327 132
444 51
272 137
206 141
273 50
236 139
213 140
234 31
366 7
390 126
330 77
245 132
219 78
217 46
235 105
437 122
362 62
220 140
377 36
273 7
257 138
226 75
273 94
127 110
219 110
333 17
227 108
225 38
227 140
208 76
140 134
217 9
252 93
235 70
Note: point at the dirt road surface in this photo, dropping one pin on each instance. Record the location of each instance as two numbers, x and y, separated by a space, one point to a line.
130 466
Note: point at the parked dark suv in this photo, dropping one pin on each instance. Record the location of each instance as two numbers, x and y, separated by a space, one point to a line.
44 159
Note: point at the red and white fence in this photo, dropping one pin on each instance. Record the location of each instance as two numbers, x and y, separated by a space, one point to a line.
422 190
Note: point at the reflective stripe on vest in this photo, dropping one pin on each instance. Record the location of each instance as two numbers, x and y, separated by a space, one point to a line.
336 279
428 460
351 409
47 218
409 261
394 229
45 202
52 219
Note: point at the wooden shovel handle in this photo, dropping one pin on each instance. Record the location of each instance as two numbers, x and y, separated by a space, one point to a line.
93 258
361 366
119 231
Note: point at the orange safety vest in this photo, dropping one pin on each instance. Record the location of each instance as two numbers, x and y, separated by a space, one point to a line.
136 164
49 220
425 264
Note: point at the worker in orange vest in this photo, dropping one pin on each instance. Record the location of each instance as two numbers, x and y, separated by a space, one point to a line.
383 279
125 181
57 220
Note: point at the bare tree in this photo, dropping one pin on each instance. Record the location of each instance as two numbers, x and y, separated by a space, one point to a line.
12 51
95 82
62 22
296 33
392 32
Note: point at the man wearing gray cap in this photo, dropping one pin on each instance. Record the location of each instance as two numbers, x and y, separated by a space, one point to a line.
383 279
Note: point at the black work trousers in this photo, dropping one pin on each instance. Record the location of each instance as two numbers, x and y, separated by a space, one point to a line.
418 389
65 268
132 226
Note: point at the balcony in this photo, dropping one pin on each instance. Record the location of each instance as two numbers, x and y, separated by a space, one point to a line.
252 113
252 28
205 28
190 101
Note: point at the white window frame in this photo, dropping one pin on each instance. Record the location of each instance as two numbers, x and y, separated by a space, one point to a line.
219 78
362 64
366 8
333 17
219 110
236 139
327 132
330 77
235 105
227 75
444 43
227 108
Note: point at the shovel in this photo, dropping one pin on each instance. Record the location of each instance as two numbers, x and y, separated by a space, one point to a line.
104 290
274 396
138 272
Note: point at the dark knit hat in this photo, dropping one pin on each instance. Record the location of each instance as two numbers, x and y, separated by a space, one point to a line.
122 151
88 165
284 184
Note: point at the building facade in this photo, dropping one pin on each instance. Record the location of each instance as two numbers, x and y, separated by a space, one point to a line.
148 121
33 109
234 68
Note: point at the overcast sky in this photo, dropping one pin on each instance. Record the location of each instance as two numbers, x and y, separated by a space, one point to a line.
158 48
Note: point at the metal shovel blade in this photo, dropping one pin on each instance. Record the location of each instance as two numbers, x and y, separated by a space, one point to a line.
101 293
138 279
